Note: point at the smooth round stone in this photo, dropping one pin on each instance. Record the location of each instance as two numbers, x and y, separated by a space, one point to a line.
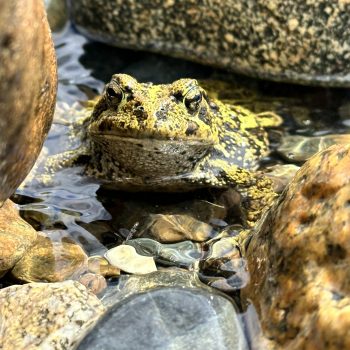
285 40
300 148
169 318
46 315
49 261
177 228
16 237
126 258
93 282
28 82
182 254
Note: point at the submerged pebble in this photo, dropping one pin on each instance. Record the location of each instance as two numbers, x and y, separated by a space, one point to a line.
126 258
49 261
298 148
177 228
182 254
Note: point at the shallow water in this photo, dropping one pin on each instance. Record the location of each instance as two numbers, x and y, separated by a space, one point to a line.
72 205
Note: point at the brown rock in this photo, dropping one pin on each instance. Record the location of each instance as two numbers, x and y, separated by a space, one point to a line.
49 261
299 258
93 282
46 315
100 265
16 236
177 228
28 82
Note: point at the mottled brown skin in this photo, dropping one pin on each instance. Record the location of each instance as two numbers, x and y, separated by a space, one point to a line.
145 137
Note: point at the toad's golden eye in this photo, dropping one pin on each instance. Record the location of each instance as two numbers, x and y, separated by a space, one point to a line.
192 99
114 94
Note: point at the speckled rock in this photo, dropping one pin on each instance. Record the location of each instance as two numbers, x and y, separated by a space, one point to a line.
49 261
299 258
297 148
28 82
169 310
16 236
47 316
286 40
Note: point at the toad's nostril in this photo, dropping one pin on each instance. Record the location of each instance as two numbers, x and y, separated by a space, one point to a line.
140 113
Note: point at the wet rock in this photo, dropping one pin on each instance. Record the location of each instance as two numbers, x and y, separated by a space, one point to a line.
57 14
93 282
287 40
168 317
280 174
298 148
224 268
16 236
49 261
299 258
46 316
126 258
100 265
28 82
176 228
182 254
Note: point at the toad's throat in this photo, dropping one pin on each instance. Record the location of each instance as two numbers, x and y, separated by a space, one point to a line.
151 157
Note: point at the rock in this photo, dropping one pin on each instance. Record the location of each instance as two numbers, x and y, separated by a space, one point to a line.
16 237
299 258
182 254
28 82
46 316
286 40
223 267
280 175
49 261
174 317
125 258
57 14
93 282
298 148
100 265
178 227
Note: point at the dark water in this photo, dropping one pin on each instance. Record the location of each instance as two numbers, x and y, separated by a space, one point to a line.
71 205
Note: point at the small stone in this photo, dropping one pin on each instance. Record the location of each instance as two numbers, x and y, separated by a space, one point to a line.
177 228
93 282
225 263
49 261
298 148
182 254
281 175
126 258
46 315
100 265
16 236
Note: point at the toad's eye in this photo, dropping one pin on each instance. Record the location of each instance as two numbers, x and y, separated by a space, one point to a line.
114 94
193 99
